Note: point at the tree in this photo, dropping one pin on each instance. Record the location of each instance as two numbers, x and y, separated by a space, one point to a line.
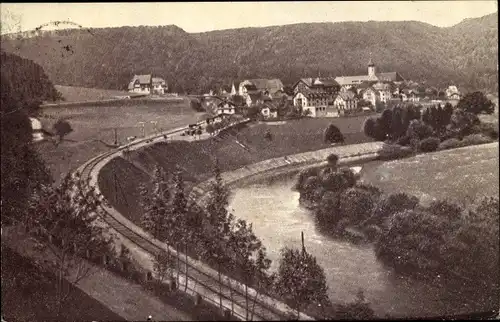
268 135
62 128
356 205
244 244
210 129
332 134
300 279
155 203
182 231
67 216
23 85
218 225
332 160
259 275
163 266
387 206
462 123
418 130
372 129
397 128
476 103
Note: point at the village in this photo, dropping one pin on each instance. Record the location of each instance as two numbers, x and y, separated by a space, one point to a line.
270 99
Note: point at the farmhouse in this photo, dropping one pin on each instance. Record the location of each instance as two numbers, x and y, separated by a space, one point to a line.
226 107
345 101
37 130
373 76
269 111
452 93
146 84
268 87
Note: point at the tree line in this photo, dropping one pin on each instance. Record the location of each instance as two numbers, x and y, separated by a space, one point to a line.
200 62
425 129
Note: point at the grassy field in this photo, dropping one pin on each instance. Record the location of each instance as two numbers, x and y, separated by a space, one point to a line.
94 127
78 94
197 159
25 294
459 174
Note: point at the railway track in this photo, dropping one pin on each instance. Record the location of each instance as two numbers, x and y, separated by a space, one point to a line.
207 283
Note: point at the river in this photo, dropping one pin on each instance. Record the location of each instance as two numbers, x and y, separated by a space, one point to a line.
278 220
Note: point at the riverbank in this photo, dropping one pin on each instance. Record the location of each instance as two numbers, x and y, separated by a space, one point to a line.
278 220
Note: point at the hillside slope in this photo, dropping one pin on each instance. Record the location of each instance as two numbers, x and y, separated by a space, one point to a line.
465 54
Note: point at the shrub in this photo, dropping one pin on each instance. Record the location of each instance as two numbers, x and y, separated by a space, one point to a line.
391 204
429 144
488 129
373 190
372 232
404 140
450 144
356 204
418 130
332 134
332 159
394 151
303 175
373 129
476 139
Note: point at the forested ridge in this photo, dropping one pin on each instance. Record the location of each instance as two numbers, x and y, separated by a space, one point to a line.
465 54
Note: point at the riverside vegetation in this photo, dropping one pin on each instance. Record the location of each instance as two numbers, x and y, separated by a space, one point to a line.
443 241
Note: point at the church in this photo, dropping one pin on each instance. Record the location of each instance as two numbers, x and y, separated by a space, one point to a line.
373 76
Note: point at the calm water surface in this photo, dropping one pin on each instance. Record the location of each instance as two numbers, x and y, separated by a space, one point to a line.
278 220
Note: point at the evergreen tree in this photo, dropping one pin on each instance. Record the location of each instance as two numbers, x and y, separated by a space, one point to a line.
300 279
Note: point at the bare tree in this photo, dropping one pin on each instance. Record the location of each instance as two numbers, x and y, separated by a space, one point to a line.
67 217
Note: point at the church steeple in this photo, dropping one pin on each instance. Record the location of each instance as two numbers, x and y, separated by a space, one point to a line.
371 67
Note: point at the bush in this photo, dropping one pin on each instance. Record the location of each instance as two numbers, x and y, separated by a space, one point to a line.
429 144
476 139
418 130
394 151
356 205
488 129
393 203
404 140
450 144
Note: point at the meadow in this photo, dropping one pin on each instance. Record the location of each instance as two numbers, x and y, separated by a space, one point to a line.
94 128
79 94
460 174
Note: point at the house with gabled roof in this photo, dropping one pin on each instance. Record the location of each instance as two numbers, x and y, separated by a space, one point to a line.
147 84
271 86
346 101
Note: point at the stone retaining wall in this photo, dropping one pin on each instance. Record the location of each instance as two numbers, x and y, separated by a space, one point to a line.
346 153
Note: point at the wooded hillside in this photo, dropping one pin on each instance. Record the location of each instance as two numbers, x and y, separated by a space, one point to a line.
465 54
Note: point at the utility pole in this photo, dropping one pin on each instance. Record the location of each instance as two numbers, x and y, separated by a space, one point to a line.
143 128
116 138
303 246
155 129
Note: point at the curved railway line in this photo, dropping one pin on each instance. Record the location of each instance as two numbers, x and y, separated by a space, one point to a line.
206 282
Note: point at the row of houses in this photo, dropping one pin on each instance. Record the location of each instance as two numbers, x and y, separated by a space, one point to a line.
317 97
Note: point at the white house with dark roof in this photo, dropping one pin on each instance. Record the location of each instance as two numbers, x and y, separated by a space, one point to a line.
346 101
271 86
146 84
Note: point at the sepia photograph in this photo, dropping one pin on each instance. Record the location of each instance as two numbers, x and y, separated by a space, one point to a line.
249 161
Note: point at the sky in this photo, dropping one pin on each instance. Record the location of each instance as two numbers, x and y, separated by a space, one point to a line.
207 16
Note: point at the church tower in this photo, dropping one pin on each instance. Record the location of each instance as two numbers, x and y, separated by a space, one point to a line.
371 68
